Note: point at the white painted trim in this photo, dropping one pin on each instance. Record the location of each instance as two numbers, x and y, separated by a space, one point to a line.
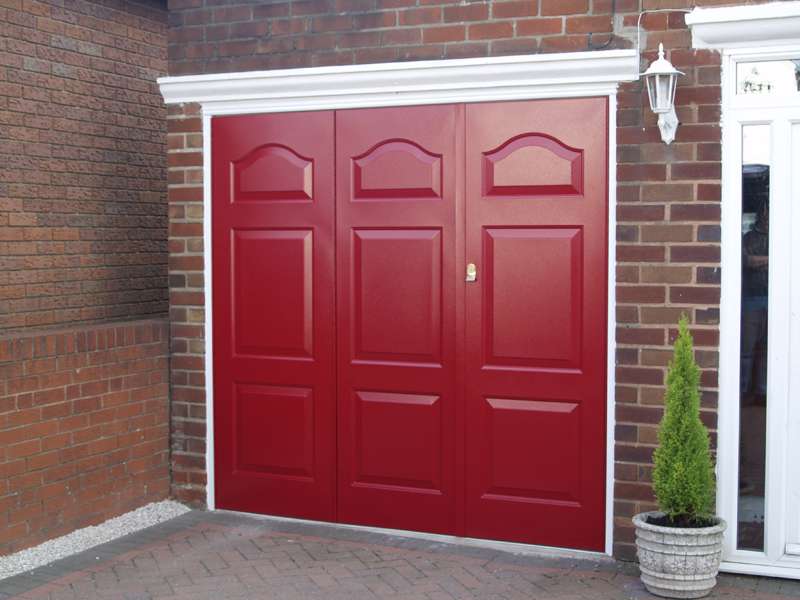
511 547
765 570
311 103
730 290
745 26
402 84
780 252
582 74
611 348
209 315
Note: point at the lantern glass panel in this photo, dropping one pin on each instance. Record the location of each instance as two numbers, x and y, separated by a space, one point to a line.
673 84
661 90
651 91
663 97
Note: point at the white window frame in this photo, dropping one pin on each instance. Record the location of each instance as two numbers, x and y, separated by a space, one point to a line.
558 75
763 32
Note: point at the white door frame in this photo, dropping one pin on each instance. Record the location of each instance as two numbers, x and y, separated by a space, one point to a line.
754 33
559 75
779 113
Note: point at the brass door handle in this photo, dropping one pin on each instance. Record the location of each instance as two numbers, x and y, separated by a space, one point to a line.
472 272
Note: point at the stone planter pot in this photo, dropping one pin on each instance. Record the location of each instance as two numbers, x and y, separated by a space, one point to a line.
675 562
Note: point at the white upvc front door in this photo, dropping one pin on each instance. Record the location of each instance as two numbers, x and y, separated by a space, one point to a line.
759 427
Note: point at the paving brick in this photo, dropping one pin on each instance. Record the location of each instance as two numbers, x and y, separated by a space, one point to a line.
228 555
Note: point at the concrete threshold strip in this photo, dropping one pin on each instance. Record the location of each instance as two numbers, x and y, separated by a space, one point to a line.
436 538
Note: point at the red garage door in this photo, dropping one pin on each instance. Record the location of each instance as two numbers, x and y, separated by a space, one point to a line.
459 384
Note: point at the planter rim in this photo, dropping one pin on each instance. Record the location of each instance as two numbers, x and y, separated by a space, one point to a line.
640 521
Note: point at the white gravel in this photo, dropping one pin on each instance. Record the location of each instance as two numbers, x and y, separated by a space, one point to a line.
85 538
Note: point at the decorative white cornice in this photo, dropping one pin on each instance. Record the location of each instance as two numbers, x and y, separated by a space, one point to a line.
772 24
405 83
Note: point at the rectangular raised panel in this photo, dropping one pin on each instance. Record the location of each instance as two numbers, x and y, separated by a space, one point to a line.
398 440
272 290
534 448
398 294
272 172
533 289
274 430
397 169
533 164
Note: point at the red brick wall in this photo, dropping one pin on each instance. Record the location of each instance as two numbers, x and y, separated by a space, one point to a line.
187 313
668 196
300 33
668 257
83 427
83 226
83 217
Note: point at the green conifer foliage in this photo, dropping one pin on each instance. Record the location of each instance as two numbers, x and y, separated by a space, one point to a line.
683 478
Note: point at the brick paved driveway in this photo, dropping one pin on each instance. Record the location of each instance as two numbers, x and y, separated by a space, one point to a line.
221 555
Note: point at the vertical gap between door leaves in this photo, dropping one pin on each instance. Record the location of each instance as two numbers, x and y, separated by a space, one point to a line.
461 344
335 341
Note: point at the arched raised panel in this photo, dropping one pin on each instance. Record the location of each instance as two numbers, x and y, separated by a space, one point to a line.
533 164
273 173
397 169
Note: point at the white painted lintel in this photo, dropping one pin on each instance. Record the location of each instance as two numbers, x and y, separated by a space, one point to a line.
406 83
726 27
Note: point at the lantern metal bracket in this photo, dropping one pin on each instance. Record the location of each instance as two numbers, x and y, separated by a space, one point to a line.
668 125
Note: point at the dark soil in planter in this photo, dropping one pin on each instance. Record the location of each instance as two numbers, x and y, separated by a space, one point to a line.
681 522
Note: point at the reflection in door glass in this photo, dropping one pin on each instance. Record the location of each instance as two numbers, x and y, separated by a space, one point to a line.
753 358
768 77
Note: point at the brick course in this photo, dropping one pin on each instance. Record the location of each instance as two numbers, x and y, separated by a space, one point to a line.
668 196
83 427
82 142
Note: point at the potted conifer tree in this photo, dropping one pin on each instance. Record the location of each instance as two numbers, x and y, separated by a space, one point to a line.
680 546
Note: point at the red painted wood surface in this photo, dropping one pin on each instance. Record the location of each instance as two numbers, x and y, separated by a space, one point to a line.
536 197
273 276
410 398
397 293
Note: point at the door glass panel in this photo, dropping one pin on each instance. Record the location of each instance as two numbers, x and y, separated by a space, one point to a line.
753 357
768 77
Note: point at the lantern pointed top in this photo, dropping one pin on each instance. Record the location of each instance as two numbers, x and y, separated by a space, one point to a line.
661 66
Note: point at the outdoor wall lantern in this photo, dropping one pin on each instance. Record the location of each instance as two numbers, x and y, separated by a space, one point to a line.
661 79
